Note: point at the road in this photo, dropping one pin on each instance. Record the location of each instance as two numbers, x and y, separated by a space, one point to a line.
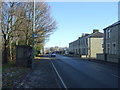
78 73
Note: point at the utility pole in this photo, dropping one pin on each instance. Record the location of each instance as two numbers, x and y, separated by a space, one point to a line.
119 10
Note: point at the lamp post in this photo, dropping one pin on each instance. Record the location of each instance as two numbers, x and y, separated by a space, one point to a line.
33 34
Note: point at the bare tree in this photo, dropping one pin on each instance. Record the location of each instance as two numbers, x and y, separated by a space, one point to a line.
9 24
45 24
17 24
5 28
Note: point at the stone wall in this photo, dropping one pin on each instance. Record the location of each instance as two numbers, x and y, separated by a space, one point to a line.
100 56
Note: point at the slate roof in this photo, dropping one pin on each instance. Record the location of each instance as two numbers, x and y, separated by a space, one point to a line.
116 23
95 35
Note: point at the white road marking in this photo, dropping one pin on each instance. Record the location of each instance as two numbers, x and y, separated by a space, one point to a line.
115 75
64 57
59 75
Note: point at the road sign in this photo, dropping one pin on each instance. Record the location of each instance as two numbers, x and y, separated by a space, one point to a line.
35 35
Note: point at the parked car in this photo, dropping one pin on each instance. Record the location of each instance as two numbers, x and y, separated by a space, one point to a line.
53 55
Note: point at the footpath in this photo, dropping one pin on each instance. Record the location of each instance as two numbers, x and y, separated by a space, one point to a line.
42 76
95 60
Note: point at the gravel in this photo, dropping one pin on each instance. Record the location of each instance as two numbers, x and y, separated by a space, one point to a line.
11 77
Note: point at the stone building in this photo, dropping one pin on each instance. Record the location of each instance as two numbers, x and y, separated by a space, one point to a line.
88 45
112 42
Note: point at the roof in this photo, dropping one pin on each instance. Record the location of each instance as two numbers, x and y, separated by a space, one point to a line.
95 35
116 23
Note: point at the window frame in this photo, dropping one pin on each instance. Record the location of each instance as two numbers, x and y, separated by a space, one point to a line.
115 50
107 50
108 33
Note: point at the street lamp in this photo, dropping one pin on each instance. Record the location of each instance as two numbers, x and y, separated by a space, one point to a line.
33 34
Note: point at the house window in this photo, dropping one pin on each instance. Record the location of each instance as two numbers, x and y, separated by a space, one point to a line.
79 51
114 48
78 43
76 51
86 41
108 48
83 51
108 33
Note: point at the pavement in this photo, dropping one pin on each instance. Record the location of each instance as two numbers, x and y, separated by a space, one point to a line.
42 76
95 60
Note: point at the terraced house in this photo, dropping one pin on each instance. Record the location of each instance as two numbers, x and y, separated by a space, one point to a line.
88 45
112 42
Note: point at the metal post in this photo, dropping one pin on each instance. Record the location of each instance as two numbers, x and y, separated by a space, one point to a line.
33 34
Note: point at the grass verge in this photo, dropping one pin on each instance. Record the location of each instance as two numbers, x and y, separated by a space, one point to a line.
11 75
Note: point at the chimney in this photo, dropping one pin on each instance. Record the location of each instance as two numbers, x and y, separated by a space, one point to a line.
86 34
83 35
95 30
